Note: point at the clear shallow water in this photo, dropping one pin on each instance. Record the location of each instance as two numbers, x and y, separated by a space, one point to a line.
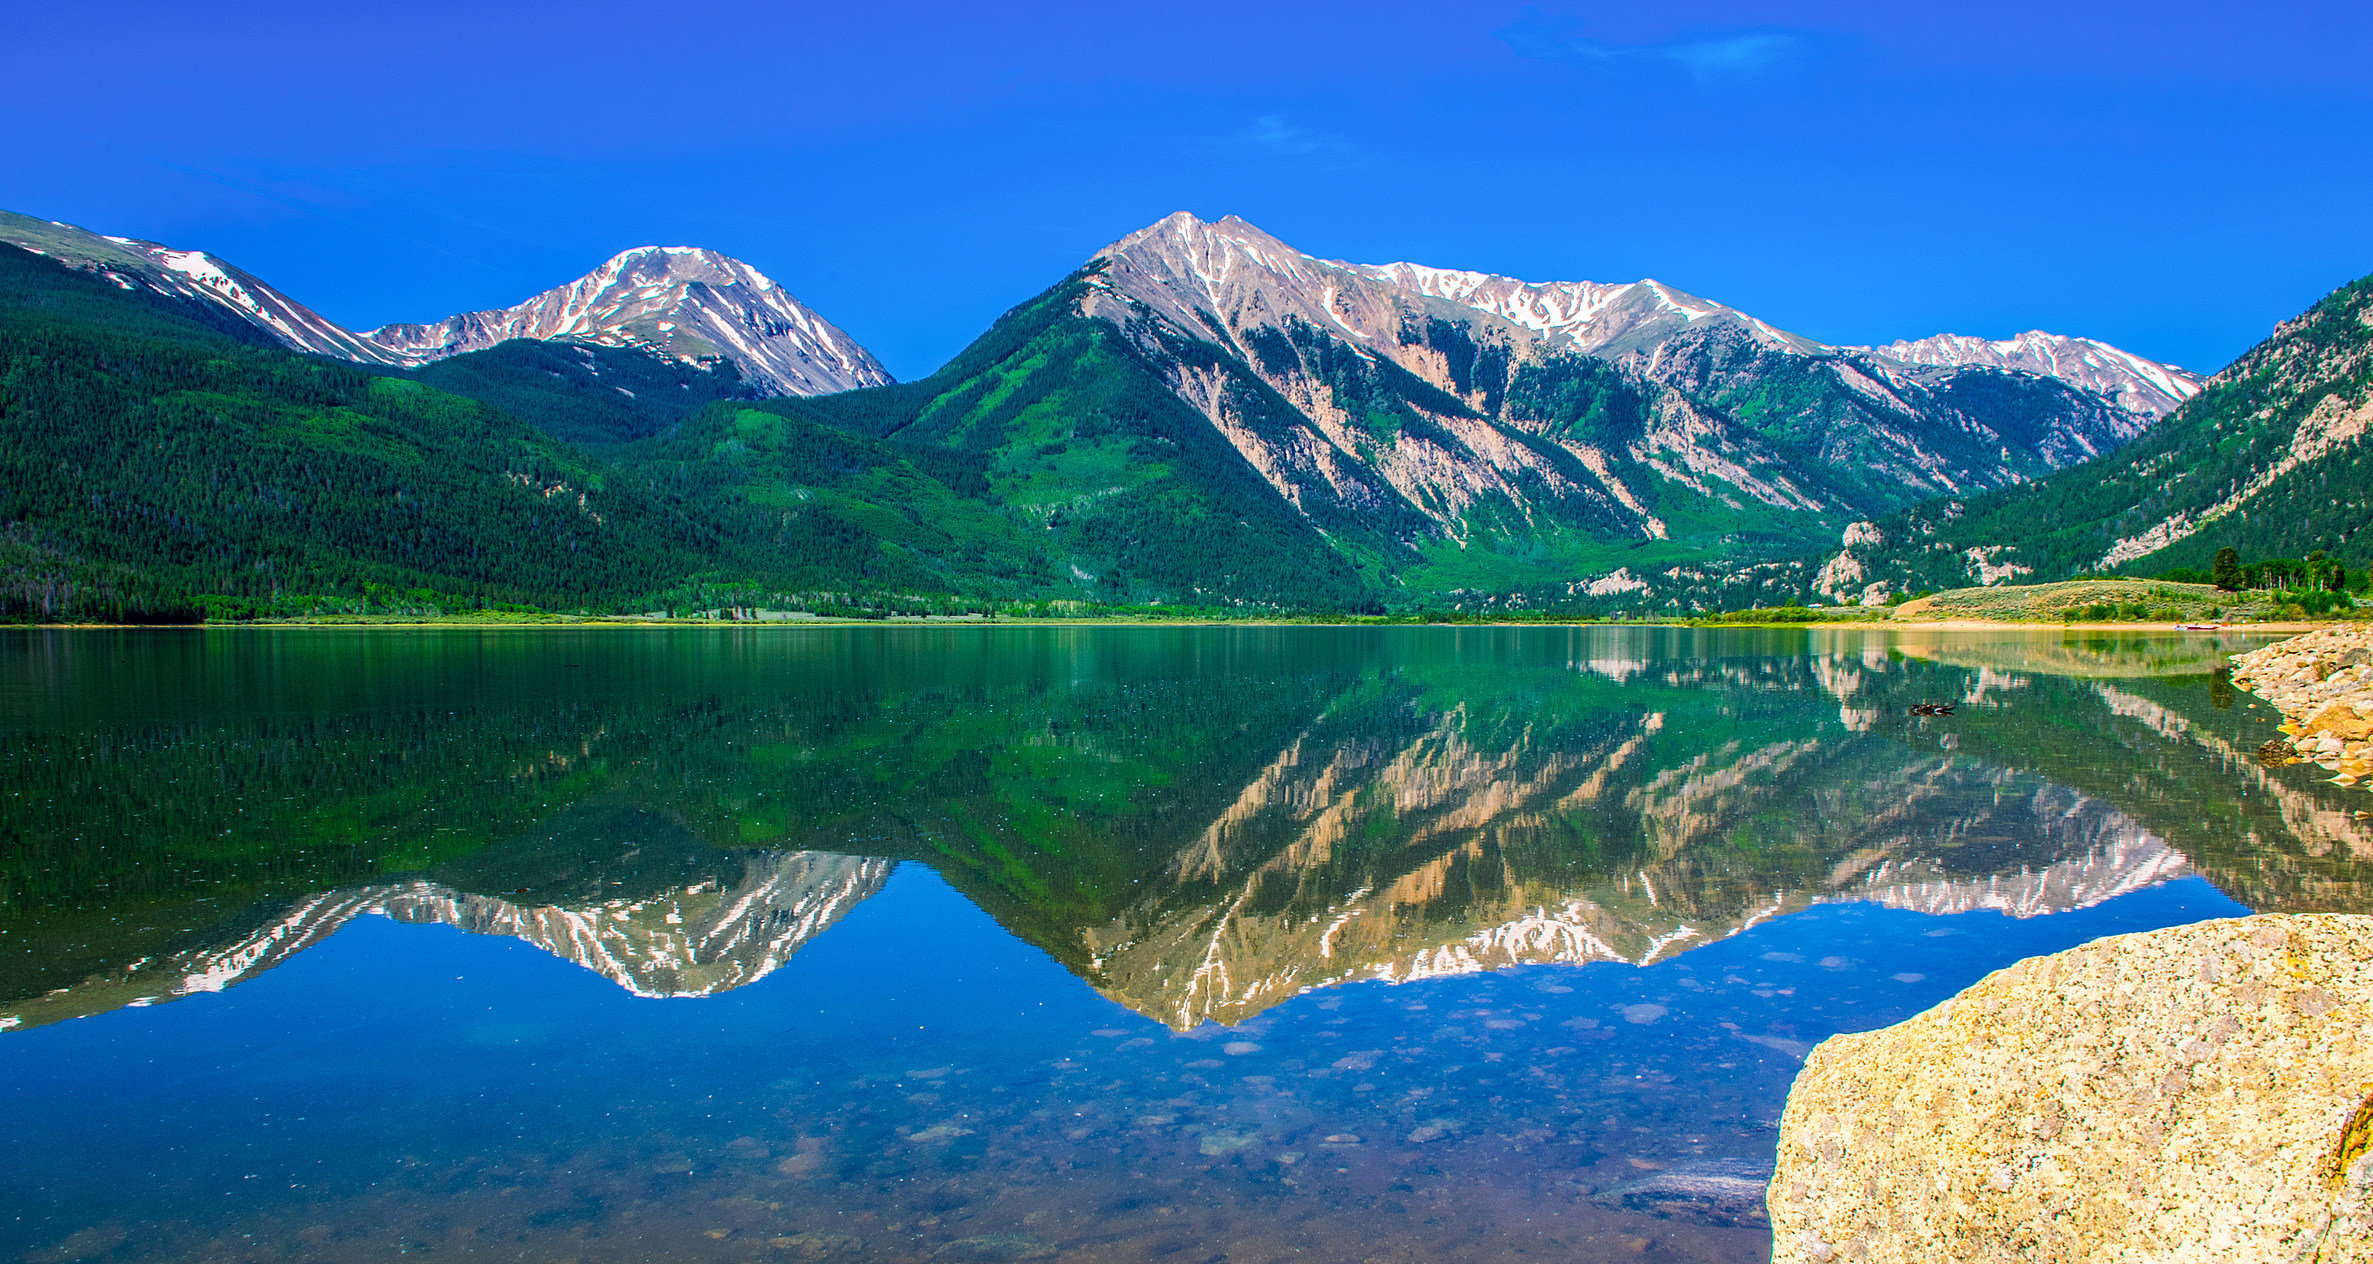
916 943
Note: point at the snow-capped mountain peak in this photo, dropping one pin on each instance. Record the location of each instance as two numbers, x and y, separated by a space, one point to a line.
2133 383
683 301
1243 276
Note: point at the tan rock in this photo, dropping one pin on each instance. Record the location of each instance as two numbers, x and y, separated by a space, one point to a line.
2321 682
2201 1093
2341 720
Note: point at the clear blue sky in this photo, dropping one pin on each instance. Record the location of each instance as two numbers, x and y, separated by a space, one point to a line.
2173 177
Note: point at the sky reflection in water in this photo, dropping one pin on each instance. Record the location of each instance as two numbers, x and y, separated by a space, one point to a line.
994 1038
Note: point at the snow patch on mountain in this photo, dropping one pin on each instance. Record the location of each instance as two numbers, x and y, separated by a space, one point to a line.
1588 316
132 263
1188 269
2144 387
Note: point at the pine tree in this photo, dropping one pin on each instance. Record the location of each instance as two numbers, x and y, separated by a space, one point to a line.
2226 572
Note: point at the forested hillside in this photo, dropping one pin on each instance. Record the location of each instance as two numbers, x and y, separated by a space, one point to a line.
1080 440
157 464
148 462
163 459
585 393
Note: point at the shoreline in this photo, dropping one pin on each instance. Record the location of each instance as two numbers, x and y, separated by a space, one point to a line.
2284 628
2322 684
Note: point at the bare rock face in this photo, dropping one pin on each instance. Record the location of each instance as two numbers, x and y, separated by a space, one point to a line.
2203 1092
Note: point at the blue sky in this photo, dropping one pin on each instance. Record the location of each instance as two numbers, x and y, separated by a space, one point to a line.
2172 177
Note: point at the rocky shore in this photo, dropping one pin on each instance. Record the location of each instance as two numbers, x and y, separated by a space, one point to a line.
2323 684
2202 1092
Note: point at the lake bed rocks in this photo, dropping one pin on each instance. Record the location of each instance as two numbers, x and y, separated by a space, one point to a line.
2194 1093
2322 683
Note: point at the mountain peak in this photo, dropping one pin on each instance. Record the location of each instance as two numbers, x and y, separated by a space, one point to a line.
684 301
1241 274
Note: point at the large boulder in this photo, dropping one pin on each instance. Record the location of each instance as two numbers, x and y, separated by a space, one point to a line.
2203 1092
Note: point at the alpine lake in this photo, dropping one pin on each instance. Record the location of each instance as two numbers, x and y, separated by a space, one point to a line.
979 943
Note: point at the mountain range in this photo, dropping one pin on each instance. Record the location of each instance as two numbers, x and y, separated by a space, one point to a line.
1200 414
1488 433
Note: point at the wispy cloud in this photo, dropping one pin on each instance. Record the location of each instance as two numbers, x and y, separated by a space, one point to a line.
1709 57
1278 134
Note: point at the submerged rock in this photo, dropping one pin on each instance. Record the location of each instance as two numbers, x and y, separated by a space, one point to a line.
1719 1191
2203 1092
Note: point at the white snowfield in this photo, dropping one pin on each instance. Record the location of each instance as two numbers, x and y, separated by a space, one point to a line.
1583 315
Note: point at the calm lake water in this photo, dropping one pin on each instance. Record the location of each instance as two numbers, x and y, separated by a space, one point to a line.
935 943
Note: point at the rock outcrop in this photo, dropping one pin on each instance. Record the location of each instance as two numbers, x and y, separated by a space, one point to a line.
2194 1093
2323 684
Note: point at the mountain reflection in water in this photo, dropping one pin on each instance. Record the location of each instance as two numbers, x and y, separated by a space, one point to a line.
1200 824
1202 845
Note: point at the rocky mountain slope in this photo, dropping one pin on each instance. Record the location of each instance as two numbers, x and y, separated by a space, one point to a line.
680 302
1453 432
1203 414
2269 458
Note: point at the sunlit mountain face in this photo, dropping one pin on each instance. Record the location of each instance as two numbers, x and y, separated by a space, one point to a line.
1200 824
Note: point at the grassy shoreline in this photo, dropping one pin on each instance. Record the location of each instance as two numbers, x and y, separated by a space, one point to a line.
400 622
2076 605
